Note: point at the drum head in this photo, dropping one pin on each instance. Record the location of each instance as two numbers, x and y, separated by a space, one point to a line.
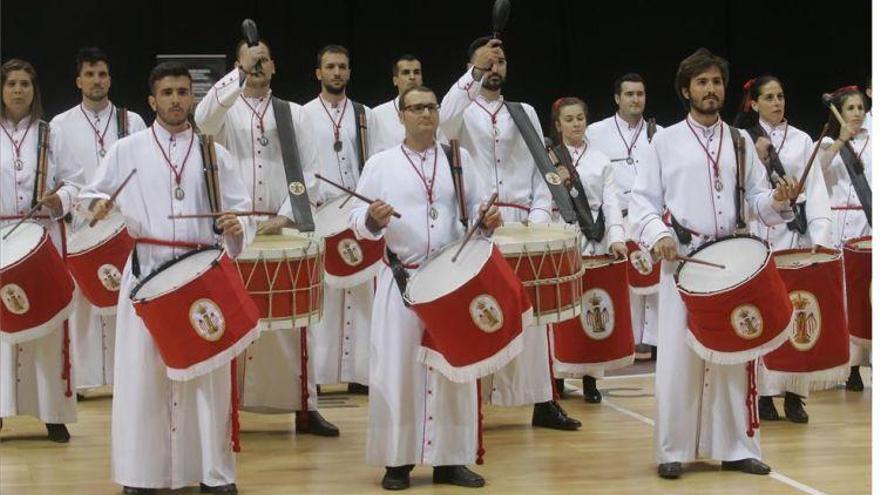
799 258
517 238
439 275
86 237
330 219
281 246
21 243
742 258
176 273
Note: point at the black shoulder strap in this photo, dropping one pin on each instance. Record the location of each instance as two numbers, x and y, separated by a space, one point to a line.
652 128
799 223
593 230
121 122
453 156
360 120
856 171
42 169
542 161
739 192
293 169
209 169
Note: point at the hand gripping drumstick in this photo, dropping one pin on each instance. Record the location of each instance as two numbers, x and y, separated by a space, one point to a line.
828 100
33 210
115 194
351 193
475 226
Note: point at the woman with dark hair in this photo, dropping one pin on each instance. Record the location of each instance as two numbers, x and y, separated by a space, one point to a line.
594 178
35 378
784 149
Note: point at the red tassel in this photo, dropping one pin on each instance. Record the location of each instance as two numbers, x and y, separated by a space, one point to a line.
236 427
550 361
304 380
480 450
844 89
752 400
65 353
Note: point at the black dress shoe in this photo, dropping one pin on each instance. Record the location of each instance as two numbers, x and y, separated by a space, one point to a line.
559 383
358 388
316 424
591 393
397 478
131 490
794 408
57 432
669 470
653 353
458 475
80 397
551 415
854 382
766 410
229 489
750 466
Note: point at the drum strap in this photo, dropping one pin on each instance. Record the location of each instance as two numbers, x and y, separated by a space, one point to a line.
536 148
739 192
42 162
212 175
593 230
121 122
360 118
453 156
856 171
799 224
135 263
652 128
401 276
293 168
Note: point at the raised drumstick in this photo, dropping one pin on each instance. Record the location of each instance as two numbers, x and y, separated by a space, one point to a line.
352 193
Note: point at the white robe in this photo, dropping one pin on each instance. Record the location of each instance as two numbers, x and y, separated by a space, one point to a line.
505 165
701 407
92 336
342 350
166 434
269 371
613 136
30 372
417 416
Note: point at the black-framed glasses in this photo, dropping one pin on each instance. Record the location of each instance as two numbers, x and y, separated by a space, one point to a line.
421 107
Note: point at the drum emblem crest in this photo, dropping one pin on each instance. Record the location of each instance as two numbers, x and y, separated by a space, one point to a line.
747 321
597 314
207 319
15 299
640 262
806 322
110 277
350 251
296 188
553 178
486 313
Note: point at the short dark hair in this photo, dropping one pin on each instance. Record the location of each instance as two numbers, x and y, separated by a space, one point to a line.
406 57
332 49
167 69
477 43
92 55
414 89
15 64
244 42
694 65
628 77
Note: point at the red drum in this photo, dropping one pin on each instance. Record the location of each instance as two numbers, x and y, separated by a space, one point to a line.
35 286
349 261
602 338
474 311
96 257
642 272
284 274
547 259
198 312
818 343
738 313
857 263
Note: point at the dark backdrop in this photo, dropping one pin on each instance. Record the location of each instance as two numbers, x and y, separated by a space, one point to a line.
554 47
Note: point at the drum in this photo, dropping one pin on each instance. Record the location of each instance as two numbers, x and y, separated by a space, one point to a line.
641 271
349 261
284 274
96 257
601 338
547 259
738 313
474 311
198 312
35 286
818 343
857 263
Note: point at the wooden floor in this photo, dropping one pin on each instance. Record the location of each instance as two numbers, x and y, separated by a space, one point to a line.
611 454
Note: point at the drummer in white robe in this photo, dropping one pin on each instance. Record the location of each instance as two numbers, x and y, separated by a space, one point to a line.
89 129
238 109
342 353
34 375
473 112
168 434
625 138
701 407
417 416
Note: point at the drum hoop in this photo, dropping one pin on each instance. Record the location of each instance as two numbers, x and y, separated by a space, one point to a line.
823 250
751 277
451 245
310 244
602 257
332 203
43 239
849 245
100 244
168 264
553 245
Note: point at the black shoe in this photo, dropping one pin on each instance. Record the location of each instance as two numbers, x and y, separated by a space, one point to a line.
230 488
397 478
854 382
794 408
313 423
750 466
766 410
357 388
551 415
653 353
57 432
458 475
591 393
559 383
80 397
669 470
131 490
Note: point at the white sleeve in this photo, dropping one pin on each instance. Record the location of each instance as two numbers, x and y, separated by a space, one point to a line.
456 100
370 186
234 198
614 229
210 113
646 201
63 169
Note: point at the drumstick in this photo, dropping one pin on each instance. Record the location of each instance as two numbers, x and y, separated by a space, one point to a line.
699 262
352 193
828 100
216 214
33 210
474 227
115 194
803 181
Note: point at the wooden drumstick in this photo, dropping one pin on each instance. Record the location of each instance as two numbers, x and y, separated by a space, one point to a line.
351 193
699 262
474 227
803 181
216 214
115 194
828 100
33 210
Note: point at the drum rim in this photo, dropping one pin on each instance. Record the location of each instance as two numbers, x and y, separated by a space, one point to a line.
609 257
311 241
849 244
451 245
824 250
114 235
167 264
327 205
556 245
751 277
37 247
